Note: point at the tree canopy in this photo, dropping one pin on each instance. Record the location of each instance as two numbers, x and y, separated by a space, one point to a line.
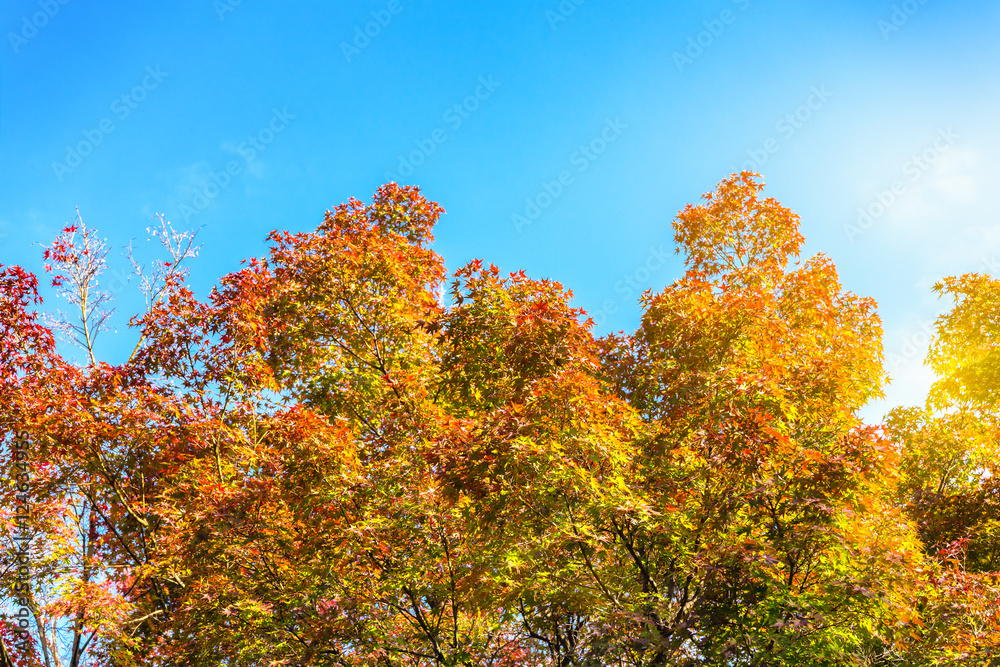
344 456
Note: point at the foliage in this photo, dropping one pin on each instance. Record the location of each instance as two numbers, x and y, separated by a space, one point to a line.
343 456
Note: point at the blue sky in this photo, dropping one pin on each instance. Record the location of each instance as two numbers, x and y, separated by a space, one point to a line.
640 107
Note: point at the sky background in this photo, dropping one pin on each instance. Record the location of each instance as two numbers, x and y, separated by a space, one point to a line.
834 103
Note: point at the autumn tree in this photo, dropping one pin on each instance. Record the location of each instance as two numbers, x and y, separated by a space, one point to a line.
951 489
344 456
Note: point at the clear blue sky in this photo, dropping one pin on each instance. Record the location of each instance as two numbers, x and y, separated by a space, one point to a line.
666 99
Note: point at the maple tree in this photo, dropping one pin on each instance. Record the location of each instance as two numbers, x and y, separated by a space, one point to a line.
949 466
345 456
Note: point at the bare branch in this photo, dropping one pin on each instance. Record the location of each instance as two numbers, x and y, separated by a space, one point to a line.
78 257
